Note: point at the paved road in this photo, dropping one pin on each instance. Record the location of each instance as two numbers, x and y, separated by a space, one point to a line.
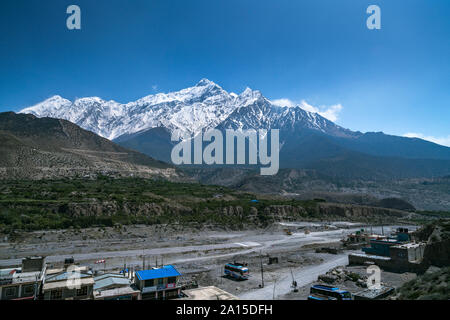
135 253
303 276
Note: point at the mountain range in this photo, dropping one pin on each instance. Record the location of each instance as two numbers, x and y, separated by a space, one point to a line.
308 140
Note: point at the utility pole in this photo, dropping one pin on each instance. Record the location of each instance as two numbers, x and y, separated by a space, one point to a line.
274 283
35 288
294 283
262 270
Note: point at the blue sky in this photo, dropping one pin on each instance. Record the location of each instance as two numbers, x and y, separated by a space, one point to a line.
316 52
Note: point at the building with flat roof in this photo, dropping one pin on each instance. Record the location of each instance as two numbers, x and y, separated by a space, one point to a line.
401 256
123 293
374 294
23 282
159 283
408 252
380 247
68 284
15 284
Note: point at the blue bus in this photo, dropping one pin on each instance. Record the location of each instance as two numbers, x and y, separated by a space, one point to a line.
322 292
236 271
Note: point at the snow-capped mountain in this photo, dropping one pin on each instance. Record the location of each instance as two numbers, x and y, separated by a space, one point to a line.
204 106
260 113
307 139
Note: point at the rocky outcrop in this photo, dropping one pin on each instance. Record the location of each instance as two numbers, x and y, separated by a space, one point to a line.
437 235
361 213
110 208
274 213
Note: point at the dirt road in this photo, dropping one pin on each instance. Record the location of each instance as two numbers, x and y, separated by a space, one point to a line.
303 276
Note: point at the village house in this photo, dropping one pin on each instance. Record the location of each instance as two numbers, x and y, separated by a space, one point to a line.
69 283
159 283
24 282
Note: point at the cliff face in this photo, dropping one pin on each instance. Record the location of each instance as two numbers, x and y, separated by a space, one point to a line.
360 213
437 236
176 212
274 212
438 253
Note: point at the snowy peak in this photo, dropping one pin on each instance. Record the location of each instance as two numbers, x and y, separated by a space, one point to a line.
207 83
50 105
203 106
252 95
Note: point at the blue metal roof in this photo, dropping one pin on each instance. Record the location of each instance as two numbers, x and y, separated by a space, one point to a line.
164 272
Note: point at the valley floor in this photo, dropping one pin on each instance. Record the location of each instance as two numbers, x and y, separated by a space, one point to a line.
199 254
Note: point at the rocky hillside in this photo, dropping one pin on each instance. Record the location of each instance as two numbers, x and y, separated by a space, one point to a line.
433 285
32 147
403 194
437 237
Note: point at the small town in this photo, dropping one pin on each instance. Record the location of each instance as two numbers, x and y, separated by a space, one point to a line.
403 252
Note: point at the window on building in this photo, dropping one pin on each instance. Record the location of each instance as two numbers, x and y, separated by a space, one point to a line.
149 283
160 281
171 294
28 290
10 291
82 291
172 280
56 294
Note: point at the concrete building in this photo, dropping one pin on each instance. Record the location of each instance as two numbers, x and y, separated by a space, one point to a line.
403 234
33 264
380 247
70 283
408 252
24 282
15 284
111 286
401 256
125 293
159 283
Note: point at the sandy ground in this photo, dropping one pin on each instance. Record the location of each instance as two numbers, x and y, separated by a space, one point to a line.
199 254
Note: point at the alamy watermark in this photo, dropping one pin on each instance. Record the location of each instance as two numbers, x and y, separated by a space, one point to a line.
374 20
374 280
73 277
73 22
192 150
